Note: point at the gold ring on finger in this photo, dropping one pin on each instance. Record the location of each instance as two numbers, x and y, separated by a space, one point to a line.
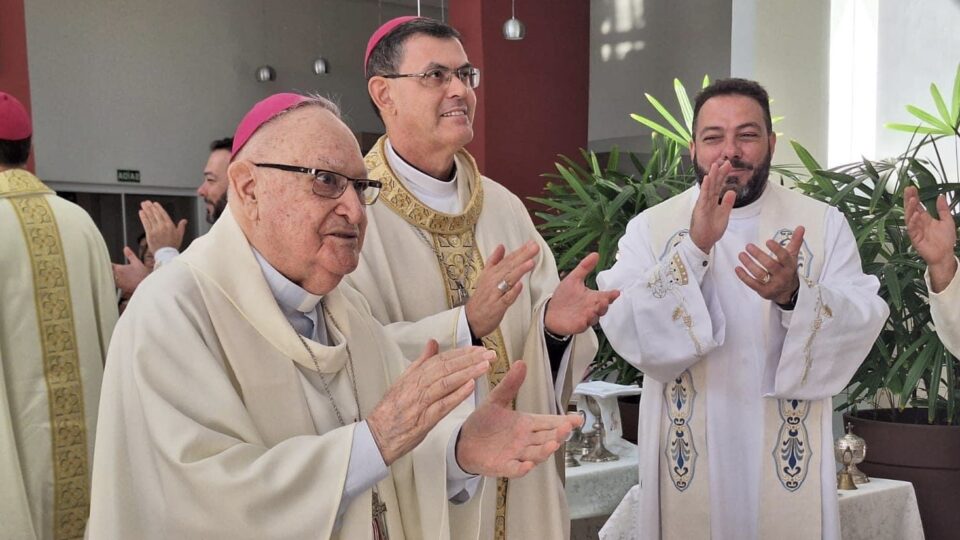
765 279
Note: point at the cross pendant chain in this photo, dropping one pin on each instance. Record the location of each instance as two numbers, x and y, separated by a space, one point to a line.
379 521
462 294
379 518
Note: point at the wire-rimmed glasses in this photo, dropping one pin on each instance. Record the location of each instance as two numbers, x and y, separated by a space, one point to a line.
441 76
331 184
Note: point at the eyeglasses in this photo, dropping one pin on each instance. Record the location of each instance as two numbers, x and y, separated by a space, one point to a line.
441 76
331 185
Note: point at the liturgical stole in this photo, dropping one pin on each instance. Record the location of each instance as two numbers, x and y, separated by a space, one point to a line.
790 491
453 239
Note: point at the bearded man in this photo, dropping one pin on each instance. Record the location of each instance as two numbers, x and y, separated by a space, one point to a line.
746 308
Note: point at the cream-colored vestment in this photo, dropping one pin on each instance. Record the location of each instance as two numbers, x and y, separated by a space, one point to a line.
413 256
214 423
945 310
57 312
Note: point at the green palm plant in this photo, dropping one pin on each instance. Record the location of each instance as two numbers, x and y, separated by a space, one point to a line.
908 364
589 205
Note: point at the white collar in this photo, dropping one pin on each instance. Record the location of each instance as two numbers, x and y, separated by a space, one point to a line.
421 181
288 294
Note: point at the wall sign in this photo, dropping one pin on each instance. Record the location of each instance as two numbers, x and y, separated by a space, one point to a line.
128 176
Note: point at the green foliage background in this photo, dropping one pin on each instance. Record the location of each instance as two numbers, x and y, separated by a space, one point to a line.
589 205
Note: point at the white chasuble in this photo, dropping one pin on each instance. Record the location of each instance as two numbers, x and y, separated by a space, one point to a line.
945 311
413 264
59 308
214 423
735 419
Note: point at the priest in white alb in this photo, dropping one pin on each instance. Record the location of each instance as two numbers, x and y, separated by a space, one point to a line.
935 240
454 256
247 395
746 308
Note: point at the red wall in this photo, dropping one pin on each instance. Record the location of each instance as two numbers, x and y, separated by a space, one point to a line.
533 93
14 78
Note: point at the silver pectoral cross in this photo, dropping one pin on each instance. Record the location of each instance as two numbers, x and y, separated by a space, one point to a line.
462 294
379 518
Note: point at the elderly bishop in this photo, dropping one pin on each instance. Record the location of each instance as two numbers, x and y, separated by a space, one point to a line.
247 395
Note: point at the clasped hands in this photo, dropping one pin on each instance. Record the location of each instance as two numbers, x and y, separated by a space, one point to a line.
772 275
572 309
494 440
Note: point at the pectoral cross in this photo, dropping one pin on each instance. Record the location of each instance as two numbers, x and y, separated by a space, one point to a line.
462 294
379 518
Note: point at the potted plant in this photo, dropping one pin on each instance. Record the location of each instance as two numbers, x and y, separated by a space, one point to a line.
589 205
909 382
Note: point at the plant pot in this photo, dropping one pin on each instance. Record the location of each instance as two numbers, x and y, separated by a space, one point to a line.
926 455
629 416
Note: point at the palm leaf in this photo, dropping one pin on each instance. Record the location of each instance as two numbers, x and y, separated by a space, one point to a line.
955 102
660 129
941 106
684 100
680 130
930 119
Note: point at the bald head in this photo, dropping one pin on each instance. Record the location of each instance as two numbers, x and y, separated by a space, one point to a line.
312 240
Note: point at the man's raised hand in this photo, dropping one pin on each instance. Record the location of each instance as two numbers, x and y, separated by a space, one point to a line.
773 276
128 276
711 213
574 307
499 286
933 238
427 391
159 228
498 441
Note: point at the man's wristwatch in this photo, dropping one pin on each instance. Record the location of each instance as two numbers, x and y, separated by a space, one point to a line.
792 303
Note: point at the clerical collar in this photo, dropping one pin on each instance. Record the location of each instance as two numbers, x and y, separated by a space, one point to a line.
437 194
288 294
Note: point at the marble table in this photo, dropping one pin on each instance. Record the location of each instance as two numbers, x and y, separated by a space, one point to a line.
880 510
595 489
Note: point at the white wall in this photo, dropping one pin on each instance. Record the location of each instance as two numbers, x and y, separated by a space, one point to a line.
785 45
884 56
919 44
146 85
640 46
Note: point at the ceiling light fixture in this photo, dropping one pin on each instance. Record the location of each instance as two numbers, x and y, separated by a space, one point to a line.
513 29
266 73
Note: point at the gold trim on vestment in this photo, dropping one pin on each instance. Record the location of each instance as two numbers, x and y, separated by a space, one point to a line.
19 183
406 205
454 241
61 360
